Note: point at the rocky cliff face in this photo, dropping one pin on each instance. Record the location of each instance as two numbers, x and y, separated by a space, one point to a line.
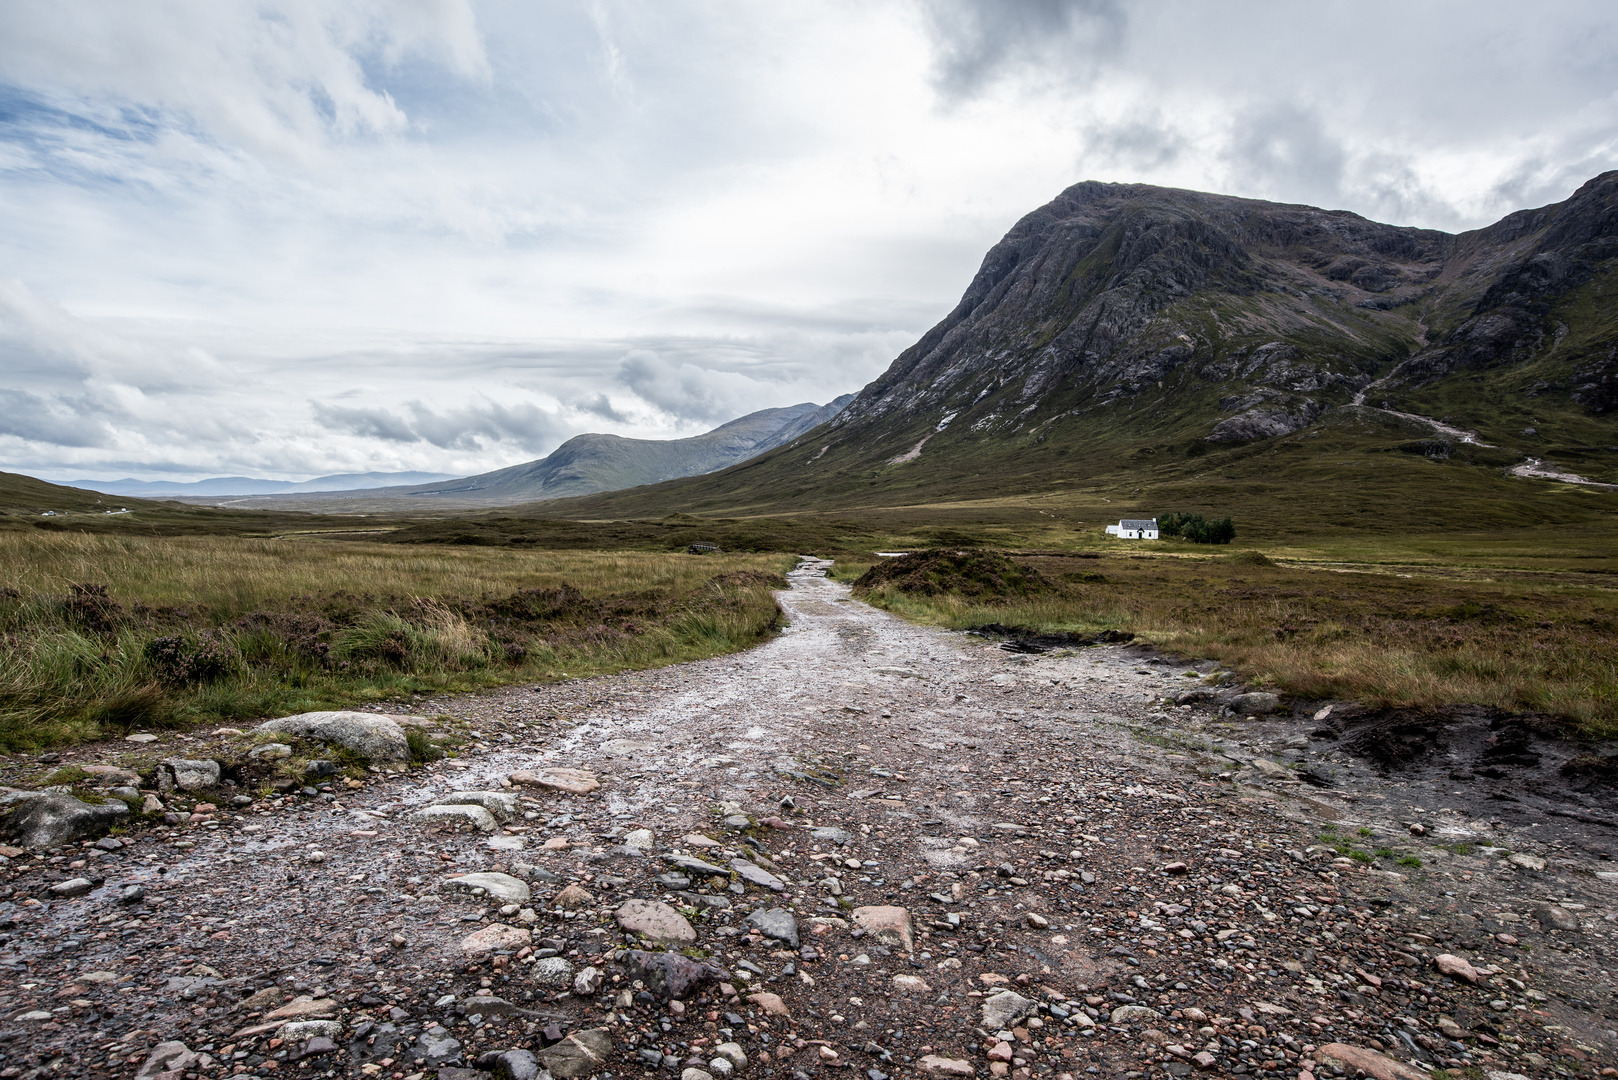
1112 293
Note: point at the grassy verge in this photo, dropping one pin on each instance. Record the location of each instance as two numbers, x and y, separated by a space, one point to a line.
103 632
1538 640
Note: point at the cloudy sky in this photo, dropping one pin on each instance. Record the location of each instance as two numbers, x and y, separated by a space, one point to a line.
284 238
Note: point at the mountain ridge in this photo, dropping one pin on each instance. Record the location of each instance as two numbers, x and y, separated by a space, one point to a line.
584 464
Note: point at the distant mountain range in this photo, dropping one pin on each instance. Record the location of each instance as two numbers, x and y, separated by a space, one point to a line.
247 485
583 465
1151 343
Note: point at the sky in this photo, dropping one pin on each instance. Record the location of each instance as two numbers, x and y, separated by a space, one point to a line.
287 238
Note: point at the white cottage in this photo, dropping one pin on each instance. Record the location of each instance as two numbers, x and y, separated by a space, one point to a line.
1134 529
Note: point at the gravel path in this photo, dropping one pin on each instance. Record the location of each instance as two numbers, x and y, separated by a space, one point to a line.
1148 885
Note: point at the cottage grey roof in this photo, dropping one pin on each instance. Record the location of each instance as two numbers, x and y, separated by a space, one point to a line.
1138 523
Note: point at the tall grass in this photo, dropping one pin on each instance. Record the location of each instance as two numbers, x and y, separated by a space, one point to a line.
1538 643
100 632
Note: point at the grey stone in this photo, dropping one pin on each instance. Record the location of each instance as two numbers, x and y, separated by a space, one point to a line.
694 1073
553 973
1552 917
514 1065
51 819
1257 703
580 1054
655 921
686 862
828 834
484 1003
503 807
503 887
171 1056
1193 695
187 775
132 894
738 822
316 1046
1129 1014
438 1047
1004 1009
72 887
669 974
588 982
474 815
639 838
776 923
320 769
270 751
298 1030
378 739
733 1053
702 900
757 875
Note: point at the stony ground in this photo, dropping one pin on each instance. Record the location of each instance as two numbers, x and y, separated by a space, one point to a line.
1149 884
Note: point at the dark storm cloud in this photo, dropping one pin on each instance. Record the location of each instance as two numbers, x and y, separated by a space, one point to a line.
979 41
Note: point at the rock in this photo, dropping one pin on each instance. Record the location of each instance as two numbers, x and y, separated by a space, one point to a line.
889 925
770 1003
304 1007
1193 695
695 1074
699 841
1450 1028
320 769
776 923
483 1003
1257 703
1004 1009
132 894
686 862
639 838
1037 922
1371 1062
1000 1051
933 1065
167 1057
501 887
1204 1060
655 921
1552 917
108 776
574 896
1455 967
140 737
438 1047
151 804
572 781
552 972
1272 769
828 834
757 875
270 751
475 815
587 983
511 1065
72 887
671 975
733 1053
580 1054
1526 861
910 984
54 818
298 1030
496 937
1129 1014
378 739
501 805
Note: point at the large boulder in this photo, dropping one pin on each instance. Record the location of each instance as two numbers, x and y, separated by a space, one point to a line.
50 819
669 974
378 739
580 1054
1257 703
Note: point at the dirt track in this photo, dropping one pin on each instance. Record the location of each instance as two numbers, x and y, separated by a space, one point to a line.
1048 827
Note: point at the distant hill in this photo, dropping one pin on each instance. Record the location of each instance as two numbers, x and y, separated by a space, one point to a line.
585 464
1160 347
246 485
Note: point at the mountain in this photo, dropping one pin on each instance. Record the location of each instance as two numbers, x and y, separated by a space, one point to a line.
582 465
1126 335
246 485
